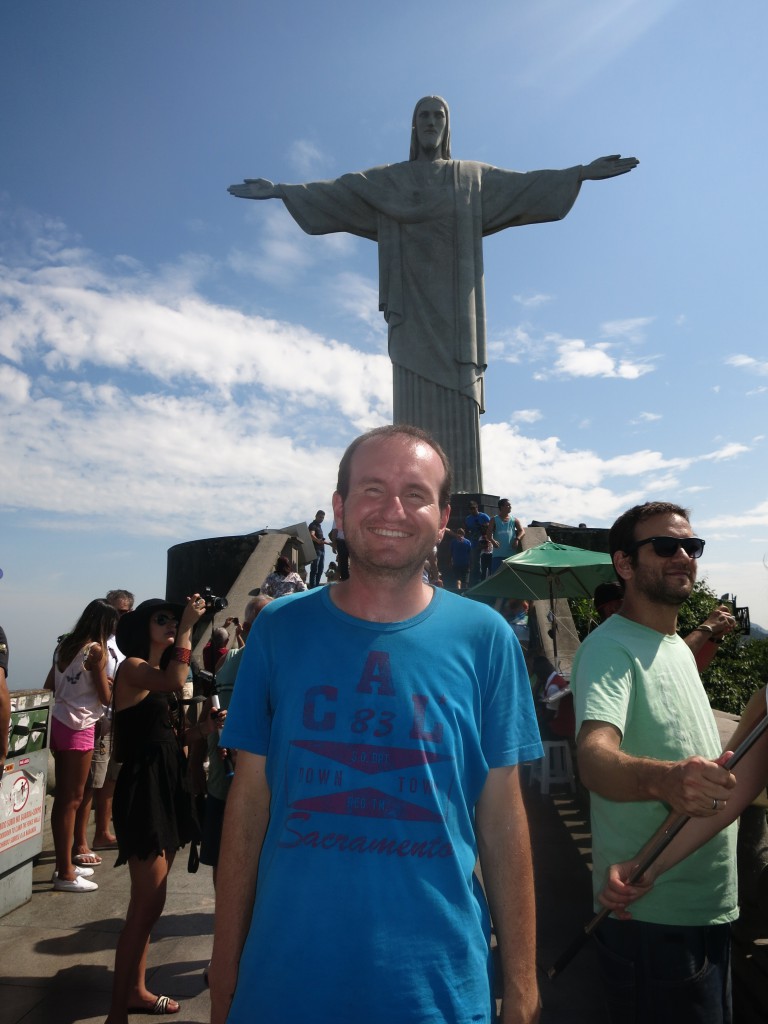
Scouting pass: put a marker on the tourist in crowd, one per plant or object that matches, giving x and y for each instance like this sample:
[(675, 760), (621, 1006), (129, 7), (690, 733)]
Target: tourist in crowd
[(153, 813), (607, 599), (283, 580), (340, 549), (216, 648), (461, 552), (100, 786), (557, 719), (319, 541), (474, 527), (373, 770), (507, 531), (81, 688), (485, 545), (648, 743)]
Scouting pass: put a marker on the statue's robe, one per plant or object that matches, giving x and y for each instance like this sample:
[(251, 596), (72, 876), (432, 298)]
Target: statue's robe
[(429, 219)]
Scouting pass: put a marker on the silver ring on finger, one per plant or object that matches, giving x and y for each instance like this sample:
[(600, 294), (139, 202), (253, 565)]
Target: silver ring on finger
[(715, 805)]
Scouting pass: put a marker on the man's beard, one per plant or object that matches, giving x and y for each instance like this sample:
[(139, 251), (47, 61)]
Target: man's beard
[(403, 572), (662, 591)]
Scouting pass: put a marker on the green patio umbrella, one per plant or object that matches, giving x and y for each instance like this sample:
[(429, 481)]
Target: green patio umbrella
[(547, 572)]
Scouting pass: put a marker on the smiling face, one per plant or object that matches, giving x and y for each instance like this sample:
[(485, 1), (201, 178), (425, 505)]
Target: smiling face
[(666, 581), (391, 515)]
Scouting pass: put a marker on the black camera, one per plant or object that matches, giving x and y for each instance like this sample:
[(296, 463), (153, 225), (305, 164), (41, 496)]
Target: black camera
[(213, 603)]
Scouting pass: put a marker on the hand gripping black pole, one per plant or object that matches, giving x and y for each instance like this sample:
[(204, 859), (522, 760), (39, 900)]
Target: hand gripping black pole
[(656, 850)]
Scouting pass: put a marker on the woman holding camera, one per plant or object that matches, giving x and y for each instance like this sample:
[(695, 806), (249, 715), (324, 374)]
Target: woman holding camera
[(152, 811), (79, 682)]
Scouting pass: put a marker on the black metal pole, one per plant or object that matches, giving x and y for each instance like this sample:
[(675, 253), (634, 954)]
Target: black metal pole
[(656, 850)]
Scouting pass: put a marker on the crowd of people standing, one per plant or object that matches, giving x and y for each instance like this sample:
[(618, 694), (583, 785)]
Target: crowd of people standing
[(388, 761)]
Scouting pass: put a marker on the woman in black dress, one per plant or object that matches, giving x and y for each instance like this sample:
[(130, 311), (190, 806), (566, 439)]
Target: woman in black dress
[(152, 809)]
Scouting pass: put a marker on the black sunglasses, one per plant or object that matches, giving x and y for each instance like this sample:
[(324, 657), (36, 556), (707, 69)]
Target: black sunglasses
[(161, 619), (666, 547)]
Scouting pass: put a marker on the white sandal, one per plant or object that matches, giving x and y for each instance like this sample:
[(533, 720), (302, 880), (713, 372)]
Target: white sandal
[(83, 872)]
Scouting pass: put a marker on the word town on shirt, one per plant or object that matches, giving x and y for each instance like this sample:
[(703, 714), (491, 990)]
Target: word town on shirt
[(382, 763)]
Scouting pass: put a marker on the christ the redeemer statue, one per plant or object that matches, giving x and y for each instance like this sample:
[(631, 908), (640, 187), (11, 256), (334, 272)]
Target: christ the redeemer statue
[(429, 215)]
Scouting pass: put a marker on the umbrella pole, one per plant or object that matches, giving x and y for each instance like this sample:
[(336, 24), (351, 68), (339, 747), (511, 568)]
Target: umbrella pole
[(553, 621), (653, 854)]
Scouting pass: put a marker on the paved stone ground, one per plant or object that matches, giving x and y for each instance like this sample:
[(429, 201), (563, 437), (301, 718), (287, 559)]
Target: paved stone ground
[(57, 950)]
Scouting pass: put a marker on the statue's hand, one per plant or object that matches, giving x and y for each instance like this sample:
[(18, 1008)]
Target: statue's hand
[(608, 167), (254, 188)]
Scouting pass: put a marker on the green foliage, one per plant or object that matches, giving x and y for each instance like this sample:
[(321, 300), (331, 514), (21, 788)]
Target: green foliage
[(739, 668), (585, 618)]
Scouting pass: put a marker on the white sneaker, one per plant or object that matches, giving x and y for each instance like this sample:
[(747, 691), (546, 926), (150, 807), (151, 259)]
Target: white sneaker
[(78, 884), (83, 872)]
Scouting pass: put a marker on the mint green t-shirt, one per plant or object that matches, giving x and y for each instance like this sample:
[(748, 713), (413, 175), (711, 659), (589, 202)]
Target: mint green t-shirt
[(646, 684)]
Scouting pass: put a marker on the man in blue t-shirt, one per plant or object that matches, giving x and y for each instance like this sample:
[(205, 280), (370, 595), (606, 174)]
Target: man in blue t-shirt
[(370, 777)]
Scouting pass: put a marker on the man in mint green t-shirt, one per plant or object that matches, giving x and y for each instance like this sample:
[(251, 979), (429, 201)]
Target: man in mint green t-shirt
[(648, 743)]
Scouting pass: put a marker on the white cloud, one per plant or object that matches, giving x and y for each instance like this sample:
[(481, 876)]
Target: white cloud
[(577, 485), (743, 362), (577, 359), (728, 451), (511, 346), (756, 516), (567, 51), (630, 328), (359, 296), (532, 301), (526, 416), (282, 253), (138, 403), (307, 158), (280, 250), (14, 386), (647, 417)]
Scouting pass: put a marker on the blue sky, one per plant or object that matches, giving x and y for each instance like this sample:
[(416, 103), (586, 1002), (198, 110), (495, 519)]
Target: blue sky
[(176, 363)]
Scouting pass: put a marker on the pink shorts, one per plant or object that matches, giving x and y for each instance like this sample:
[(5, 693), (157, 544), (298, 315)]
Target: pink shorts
[(64, 738)]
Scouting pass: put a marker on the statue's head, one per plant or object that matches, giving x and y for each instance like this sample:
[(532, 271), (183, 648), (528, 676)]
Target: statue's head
[(427, 105)]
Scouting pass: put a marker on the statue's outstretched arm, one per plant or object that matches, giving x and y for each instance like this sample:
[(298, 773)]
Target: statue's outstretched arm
[(255, 188), (607, 167)]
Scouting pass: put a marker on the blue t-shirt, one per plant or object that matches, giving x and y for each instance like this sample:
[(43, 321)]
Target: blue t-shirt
[(378, 743), (460, 552), (473, 524)]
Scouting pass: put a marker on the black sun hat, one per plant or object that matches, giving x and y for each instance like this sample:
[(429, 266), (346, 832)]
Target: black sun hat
[(132, 632)]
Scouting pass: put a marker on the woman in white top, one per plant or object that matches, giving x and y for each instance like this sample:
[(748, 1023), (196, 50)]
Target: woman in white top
[(81, 688), (283, 580)]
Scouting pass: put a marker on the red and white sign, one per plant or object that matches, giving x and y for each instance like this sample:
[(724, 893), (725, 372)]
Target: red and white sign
[(22, 799)]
